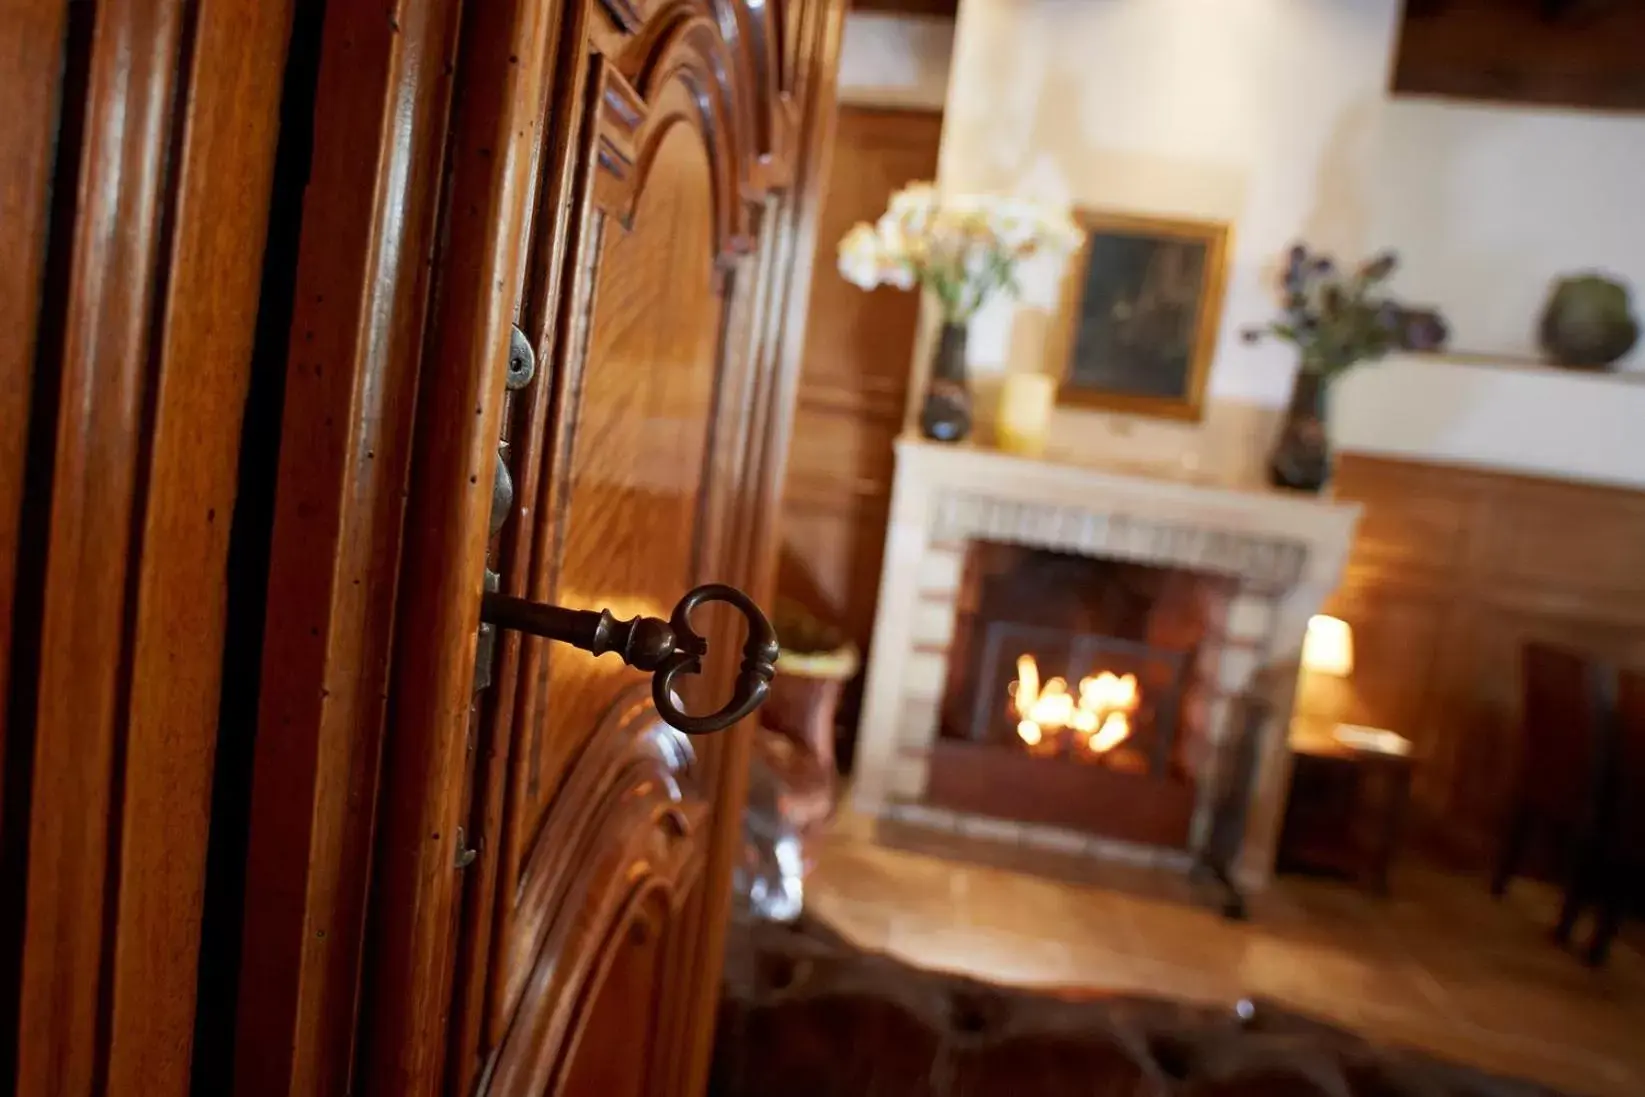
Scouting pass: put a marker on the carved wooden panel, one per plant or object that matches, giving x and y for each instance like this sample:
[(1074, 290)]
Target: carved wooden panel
[(586, 946), (1453, 570), (452, 889), (600, 905), (854, 381)]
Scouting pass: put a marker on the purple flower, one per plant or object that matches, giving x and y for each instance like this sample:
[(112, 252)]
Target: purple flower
[(1380, 267), (1423, 330)]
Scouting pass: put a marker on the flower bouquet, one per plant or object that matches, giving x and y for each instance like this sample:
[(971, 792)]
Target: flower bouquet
[(963, 250), (1336, 318)]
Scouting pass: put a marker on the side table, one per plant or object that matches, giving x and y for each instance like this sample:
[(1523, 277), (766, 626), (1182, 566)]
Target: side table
[(1350, 790)]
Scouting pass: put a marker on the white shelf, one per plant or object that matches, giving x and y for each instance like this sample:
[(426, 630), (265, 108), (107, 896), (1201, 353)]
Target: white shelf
[(1513, 415)]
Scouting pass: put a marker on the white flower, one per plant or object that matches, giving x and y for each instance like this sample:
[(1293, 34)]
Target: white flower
[(1060, 231), (860, 260), (966, 247), (896, 274), (913, 207)]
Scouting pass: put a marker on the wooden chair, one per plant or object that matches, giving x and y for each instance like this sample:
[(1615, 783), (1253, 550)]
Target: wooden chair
[(1565, 696), (1620, 863)]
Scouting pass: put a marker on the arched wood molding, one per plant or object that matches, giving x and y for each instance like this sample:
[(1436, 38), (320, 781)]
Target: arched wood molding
[(624, 824), (729, 61)]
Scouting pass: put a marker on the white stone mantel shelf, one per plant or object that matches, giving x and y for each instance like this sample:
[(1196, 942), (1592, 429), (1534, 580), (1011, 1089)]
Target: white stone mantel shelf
[(1287, 550), (1161, 493)]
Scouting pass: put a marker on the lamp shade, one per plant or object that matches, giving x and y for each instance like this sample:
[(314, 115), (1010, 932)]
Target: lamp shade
[(1328, 647)]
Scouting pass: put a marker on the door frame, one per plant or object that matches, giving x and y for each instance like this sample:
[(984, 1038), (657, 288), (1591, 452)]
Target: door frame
[(382, 103), (140, 142)]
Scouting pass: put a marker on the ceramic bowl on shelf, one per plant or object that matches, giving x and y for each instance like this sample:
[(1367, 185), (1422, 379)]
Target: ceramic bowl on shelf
[(1588, 322)]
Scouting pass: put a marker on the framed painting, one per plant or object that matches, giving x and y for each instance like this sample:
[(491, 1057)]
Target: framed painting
[(1141, 308)]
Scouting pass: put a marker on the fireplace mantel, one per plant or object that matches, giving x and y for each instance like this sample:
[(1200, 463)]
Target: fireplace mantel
[(1286, 550)]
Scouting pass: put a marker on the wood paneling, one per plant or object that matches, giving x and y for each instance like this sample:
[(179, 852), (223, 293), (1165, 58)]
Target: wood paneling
[(140, 336), (854, 381), (351, 382), (1452, 571), (527, 891), (939, 9), (31, 59), (1566, 53)]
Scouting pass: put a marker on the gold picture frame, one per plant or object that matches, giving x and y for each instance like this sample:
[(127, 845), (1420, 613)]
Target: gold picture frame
[(1114, 359)]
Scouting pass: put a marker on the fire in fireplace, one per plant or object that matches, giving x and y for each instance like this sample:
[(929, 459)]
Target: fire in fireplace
[(1086, 724), (1077, 692)]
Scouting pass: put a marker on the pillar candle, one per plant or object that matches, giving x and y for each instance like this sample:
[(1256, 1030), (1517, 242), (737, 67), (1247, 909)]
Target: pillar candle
[(1024, 418)]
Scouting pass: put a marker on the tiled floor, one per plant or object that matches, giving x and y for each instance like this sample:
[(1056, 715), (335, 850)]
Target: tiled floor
[(1438, 965)]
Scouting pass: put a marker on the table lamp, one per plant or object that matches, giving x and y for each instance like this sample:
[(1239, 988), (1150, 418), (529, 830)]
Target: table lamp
[(1328, 646)]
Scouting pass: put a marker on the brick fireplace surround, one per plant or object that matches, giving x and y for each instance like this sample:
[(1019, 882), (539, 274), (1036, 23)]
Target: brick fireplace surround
[(1285, 552)]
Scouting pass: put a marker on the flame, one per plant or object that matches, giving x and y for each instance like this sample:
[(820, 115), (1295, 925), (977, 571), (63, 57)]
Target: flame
[(1115, 730), (1100, 715)]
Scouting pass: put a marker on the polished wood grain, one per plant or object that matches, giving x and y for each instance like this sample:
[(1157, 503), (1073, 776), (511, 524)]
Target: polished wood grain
[(937, 9), (775, 295), (1563, 53), (854, 381), (222, 175), (351, 381), (165, 147), (612, 175), (631, 184), (31, 46), (628, 822), (495, 137), (1452, 572), (646, 408)]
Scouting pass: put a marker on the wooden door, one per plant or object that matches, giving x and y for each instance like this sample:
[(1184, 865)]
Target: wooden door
[(586, 924), (521, 887)]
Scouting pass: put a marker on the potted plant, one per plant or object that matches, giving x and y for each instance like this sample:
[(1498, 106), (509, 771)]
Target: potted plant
[(963, 250), (1336, 320)]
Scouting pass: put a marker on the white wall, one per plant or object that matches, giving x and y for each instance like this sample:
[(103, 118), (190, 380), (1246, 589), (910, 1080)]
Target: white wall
[(1273, 115)]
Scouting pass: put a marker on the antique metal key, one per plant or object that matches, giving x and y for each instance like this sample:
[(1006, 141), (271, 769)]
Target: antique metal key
[(665, 648)]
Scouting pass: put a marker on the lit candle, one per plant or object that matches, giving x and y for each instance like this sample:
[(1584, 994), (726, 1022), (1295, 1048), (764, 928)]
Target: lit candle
[(1024, 418)]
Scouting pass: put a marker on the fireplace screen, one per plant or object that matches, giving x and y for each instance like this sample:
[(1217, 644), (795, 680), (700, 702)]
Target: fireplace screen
[(1078, 692)]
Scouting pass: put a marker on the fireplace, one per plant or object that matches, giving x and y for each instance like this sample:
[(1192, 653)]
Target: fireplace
[(1091, 663), (1078, 692)]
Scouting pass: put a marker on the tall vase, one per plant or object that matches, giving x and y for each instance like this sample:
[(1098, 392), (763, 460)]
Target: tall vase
[(1302, 454), (946, 414)]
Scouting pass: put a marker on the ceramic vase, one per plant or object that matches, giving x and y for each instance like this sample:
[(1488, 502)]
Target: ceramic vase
[(945, 415), (1301, 459)]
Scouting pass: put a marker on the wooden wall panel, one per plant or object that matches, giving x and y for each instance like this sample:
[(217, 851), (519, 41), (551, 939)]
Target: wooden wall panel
[(854, 381), (1452, 572), (1566, 53)]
